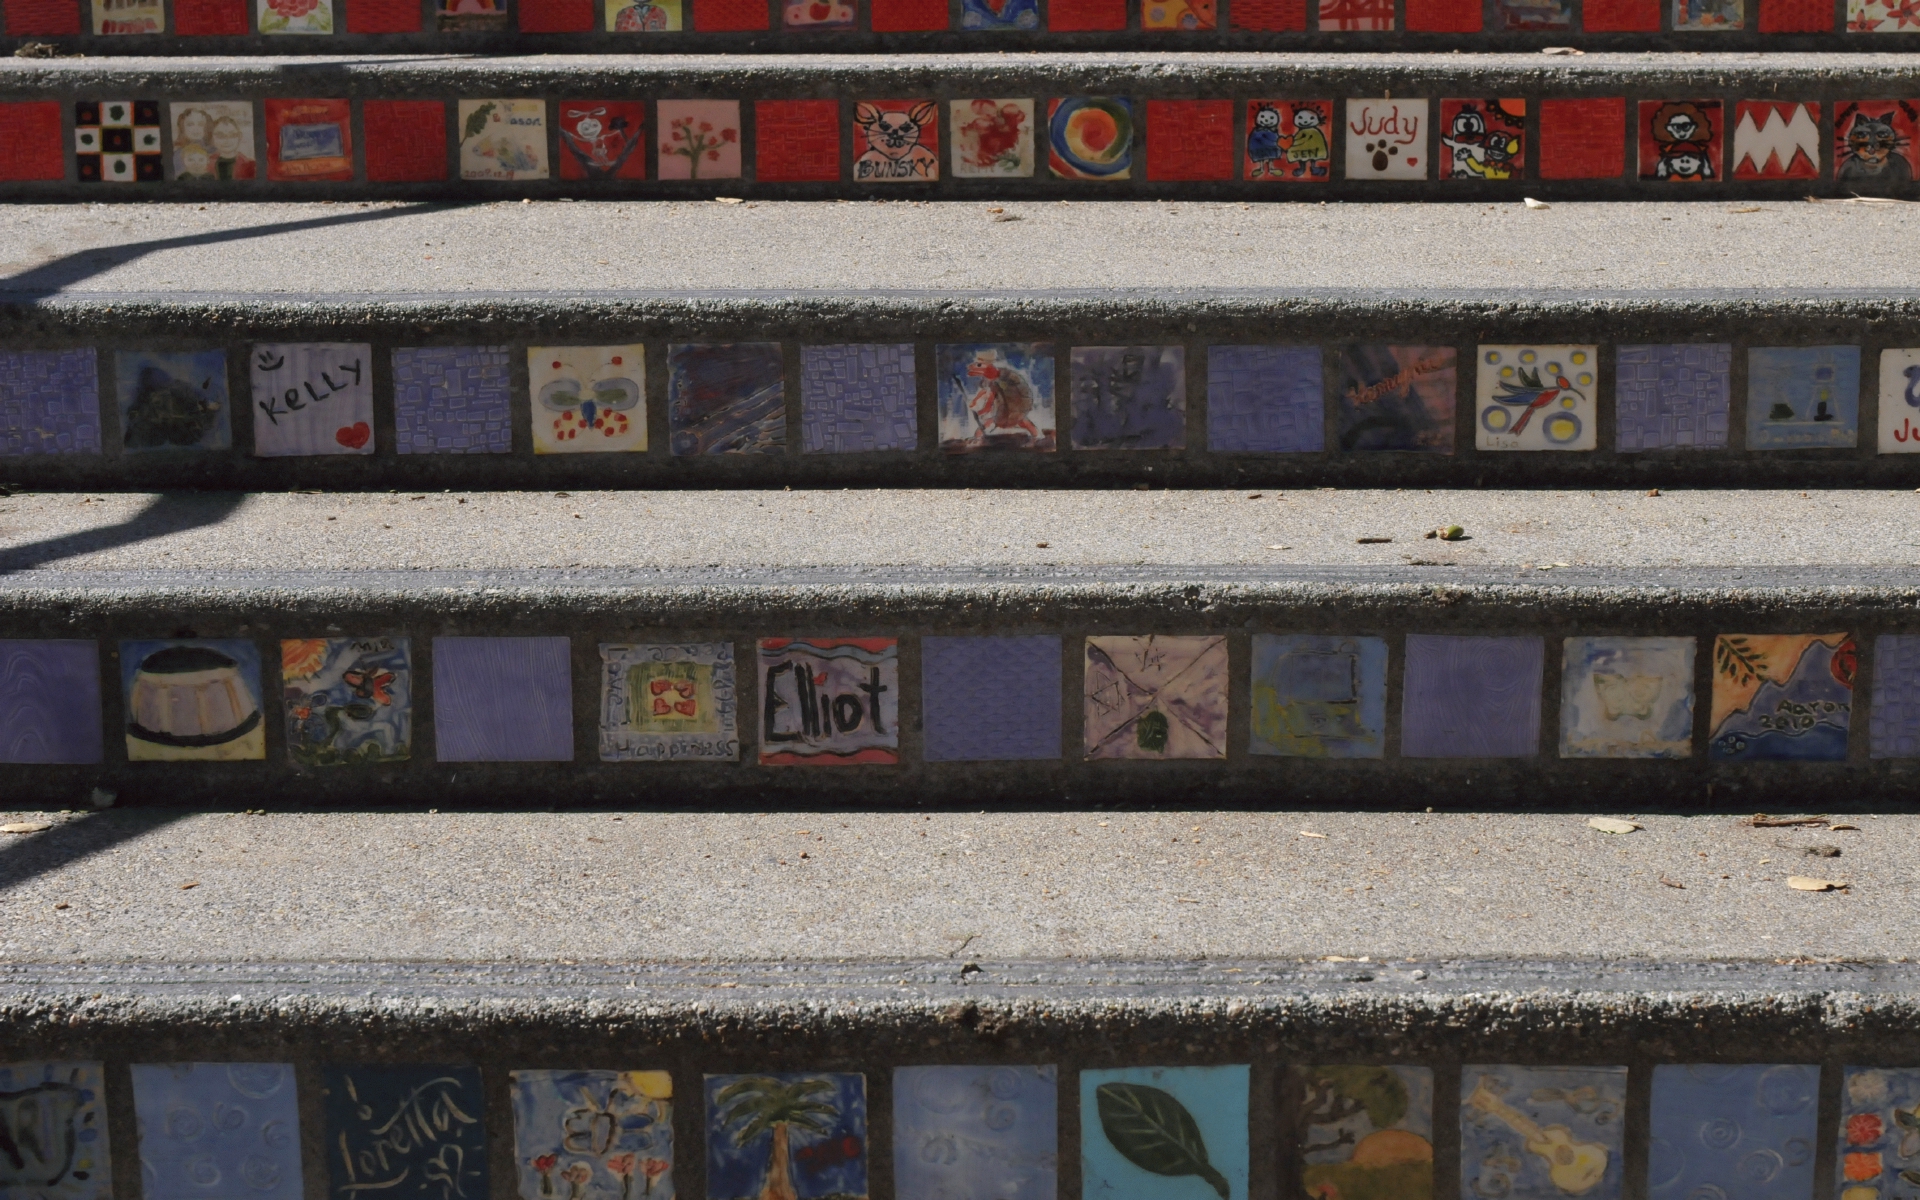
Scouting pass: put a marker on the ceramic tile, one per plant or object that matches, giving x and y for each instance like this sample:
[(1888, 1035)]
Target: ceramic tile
[(992, 139), (1288, 141), (857, 398), (1483, 139), (381, 16), (1347, 16), (817, 14), (172, 400), (1543, 1133), (604, 139), (554, 16), (1626, 697), (829, 701), (1883, 16), (1583, 139), (114, 17), (1533, 16), (49, 710), (43, 18), (1873, 144), (1471, 697), (1090, 137), (1122, 1156), (1396, 398), (976, 1133), (215, 1130), (1732, 1130), (1879, 1134), (451, 400), (1671, 397), (348, 701), (1265, 399), (668, 702), (1536, 398), (309, 139), (996, 397), (1363, 1130), (1772, 140), (1796, 16), (213, 139), (796, 141), (1802, 396), (645, 16), (1129, 397), (35, 144), (192, 699), (1782, 697), (294, 17), (503, 699), (1709, 15), (600, 1135), (55, 1118), (823, 1157), (699, 139), (470, 16), (991, 15), (117, 141), (907, 16), (312, 398), (406, 140), (1896, 697), (1156, 697), (588, 399), (49, 402), (1681, 140), (1899, 401), (503, 139), (1192, 140), (1179, 15), (896, 141), (727, 399), (1316, 696), (990, 698), (1268, 16), (410, 1132), (730, 16), (1447, 16), (1387, 139)]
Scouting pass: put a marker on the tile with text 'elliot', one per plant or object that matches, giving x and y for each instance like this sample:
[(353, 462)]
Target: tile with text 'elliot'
[(829, 701)]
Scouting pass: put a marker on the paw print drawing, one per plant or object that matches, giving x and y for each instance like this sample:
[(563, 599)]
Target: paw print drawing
[(1386, 139)]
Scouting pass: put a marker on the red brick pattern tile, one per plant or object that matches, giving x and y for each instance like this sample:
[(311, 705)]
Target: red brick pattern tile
[(1086, 16), (908, 16), (555, 16), (31, 146), (1189, 139), (1796, 16), (1349, 15), (1621, 16), (1583, 139), (210, 18), (1444, 16), (406, 140), (383, 16), (797, 141), (729, 16), (42, 18), (1268, 16)]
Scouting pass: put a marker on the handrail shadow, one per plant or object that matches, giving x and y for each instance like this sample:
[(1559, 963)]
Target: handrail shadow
[(28, 856), (172, 512)]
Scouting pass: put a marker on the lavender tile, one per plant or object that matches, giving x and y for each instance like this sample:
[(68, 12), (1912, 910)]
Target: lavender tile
[(1671, 397), (451, 400), (50, 701), (726, 399), (1265, 399), (857, 398), (49, 402), (1896, 696), (1471, 697), (990, 698), (503, 699), (1129, 397), (1719, 1129), (963, 1132), (212, 1131)]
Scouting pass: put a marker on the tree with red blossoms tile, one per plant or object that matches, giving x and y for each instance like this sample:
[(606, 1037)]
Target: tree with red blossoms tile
[(697, 141)]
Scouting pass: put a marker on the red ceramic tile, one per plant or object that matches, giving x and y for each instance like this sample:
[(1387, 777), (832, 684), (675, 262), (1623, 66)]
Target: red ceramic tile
[(797, 141), (1349, 15), (406, 140), (309, 139), (210, 18), (896, 141), (1681, 140), (1621, 16), (1483, 139), (383, 16), (1583, 139), (31, 146), (1796, 16), (908, 16), (1775, 139), (603, 139), (1268, 16), (1873, 143), (555, 16), (1189, 139), (42, 18), (729, 16), (1086, 16), (1444, 16)]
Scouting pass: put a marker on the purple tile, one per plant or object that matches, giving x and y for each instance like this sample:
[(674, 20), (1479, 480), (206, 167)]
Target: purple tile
[(1129, 397), (1671, 397), (507, 699), (451, 400), (49, 402), (50, 701), (1471, 697), (1265, 399), (990, 698), (726, 399), (855, 398), (1896, 696)]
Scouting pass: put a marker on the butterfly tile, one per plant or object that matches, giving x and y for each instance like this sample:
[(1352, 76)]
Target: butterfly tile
[(1387, 139), (856, 398), (1782, 696), (49, 402), (1471, 697), (1319, 697), (829, 701), (172, 400), (1090, 137), (312, 398), (1396, 398), (1882, 16), (1484, 139), (1879, 1134), (1671, 397), (996, 397), (213, 140), (827, 1160), (990, 698), (1289, 141), (56, 1123), (1129, 397), (117, 141), (896, 141), (668, 702), (1626, 697), (976, 1131), (348, 701), (49, 703), (214, 1130), (1801, 397), (503, 699), (1124, 1155), (443, 1153), (1536, 398), (1543, 1133), (192, 700), (503, 139), (451, 400), (1734, 1130), (599, 1135), (1362, 1130), (727, 398), (1896, 696), (1265, 399), (1155, 697), (604, 139), (992, 139), (645, 16), (588, 399), (1776, 140), (1873, 144), (699, 139), (1681, 140)]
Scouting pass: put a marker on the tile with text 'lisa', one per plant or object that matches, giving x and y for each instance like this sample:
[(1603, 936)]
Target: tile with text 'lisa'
[(1536, 398)]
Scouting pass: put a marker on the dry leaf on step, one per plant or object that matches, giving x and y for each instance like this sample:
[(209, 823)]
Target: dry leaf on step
[(1612, 825), (26, 826), (1807, 883)]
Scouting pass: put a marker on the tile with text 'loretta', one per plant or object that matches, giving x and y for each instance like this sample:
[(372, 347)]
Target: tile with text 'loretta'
[(412, 1132), (1396, 398)]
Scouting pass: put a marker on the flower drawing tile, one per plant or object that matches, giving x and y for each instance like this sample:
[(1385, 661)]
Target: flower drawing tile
[(503, 699), (213, 140), (49, 704), (1802, 397), (49, 402), (503, 139), (1129, 397), (727, 398), (896, 141), (63, 1105), (1362, 1130), (451, 400), (1896, 696), (1782, 697), (1543, 1133), (599, 1135), (1316, 696), (996, 397), (1387, 139), (443, 1156), (829, 701), (193, 699), (588, 399), (1152, 696), (990, 698), (1119, 1109), (211, 1130), (976, 1131), (1396, 398), (749, 1157), (293, 16), (1471, 697), (992, 139), (1090, 137), (699, 139), (1735, 1129), (1672, 397), (668, 702), (857, 398), (1536, 398), (312, 398), (172, 400), (348, 701), (1288, 141), (1626, 697), (1879, 1134), (118, 141), (1265, 399)]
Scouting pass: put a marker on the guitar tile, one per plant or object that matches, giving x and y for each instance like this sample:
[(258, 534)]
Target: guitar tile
[(1360, 1130), (1119, 1159), (1542, 1133), (1720, 1129)]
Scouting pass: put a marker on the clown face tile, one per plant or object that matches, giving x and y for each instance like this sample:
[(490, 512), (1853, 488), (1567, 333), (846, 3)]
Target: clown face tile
[(49, 402), (1265, 399), (1899, 401), (503, 139), (990, 698), (1782, 696), (1396, 398), (1156, 697), (1090, 137), (209, 1130), (213, 139), (828, 1159), (699, 139), (645, 16), (172, 400), (588, 399), (451, 400), (1536, 398), (996, 397), (1542, 1133), (1362, 1130), (1387, 139), (1734, 1130), (1879, 1133), (1483, 139), (312, 398), (1896, 696), (1874, 144), (605, 1135), (829, 701), (1471, 697), (896, 141), (56, 1124), (857, 398), (443, 1154), (195, 699), (348, 701), (992, 139), (1120, 1112), (668, 703), (1319, 697), (1671, 397), (1801, 397), (603, 139), (1001, 1120), (1626, 697), (728, 398), (1129, 397), (1681, 140), (49, 705), (117, 141), (1288, 141), (1772, 140)]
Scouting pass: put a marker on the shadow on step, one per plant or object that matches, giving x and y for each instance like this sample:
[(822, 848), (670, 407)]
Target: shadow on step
[(168, 514)]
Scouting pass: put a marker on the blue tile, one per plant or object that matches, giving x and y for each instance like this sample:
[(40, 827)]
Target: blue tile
[(990, 698), (1732, 1131), (1671, 397), (1802, 396), (857, 398), (976, 1131), (503, 699), (50, 701), (214, 1131), (1129, 397), (452, 400), (1319, 697), (1265, 399), (1471, 697), (49, 402), (1896, 696)]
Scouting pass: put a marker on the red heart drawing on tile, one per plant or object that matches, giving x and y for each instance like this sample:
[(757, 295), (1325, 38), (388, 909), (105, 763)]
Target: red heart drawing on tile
[(353, 436), (1413, 162)]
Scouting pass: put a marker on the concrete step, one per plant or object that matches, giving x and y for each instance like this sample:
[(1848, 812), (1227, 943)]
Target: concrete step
[(480, 648), (783, 344), (1055, 125)]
